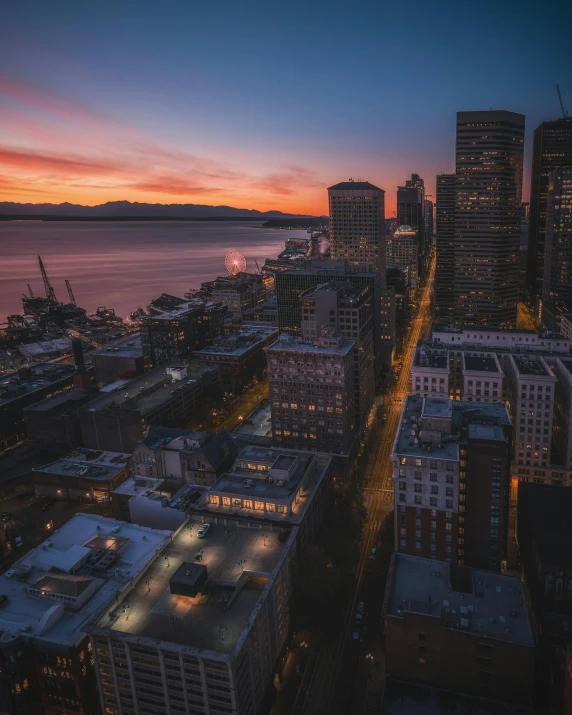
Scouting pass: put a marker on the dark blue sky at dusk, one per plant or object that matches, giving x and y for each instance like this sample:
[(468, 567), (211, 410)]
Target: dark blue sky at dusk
[(260, 105)]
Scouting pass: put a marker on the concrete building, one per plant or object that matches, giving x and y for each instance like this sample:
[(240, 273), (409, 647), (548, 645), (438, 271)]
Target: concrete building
[(265, 312), (172, 332), (82, 475), (411, 211), (116, 420), (312, 394), (239, 356), (451, 472), (453, 627), (292, 283), (118, 360), (566, 325), (563, 412), (430, 372), (50, 595), (196, 458), (347, 310), (445, 244), (357, 223), (240, 293), (402, 251), (55, 420), (532, 385), (201, 628), (275, 486), (487, 217), (552, 149), (482, 377), (504, 340), (24, 388)]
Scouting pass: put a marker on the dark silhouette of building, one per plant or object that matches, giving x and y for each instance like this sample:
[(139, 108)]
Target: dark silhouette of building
[(445, 244), (552, 149), (411, 212), (489, 155), (557, 279)]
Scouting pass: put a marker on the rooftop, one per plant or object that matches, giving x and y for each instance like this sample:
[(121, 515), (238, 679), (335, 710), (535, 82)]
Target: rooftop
[(148, 391), (239, 343), (532, 365), (292, 344), (240, 564), (424, 358), (354, 186), (129, 346), (87, 464), (171, 311), (31, 379), (483, 603), (55, 590), (481, 364)]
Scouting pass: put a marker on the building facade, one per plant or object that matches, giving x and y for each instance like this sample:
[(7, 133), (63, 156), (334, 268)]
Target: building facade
[(489, 156), (403, 252), (557, 272), (445, 244), (411, 212), (552, 149), (357, 224)]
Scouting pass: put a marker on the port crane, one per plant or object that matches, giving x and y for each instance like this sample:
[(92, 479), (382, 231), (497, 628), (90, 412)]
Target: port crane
[(70, 292), (30, 291), (50, 292), (562, 107)]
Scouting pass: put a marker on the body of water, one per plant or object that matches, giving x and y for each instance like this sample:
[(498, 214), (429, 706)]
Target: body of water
[(123, 265)]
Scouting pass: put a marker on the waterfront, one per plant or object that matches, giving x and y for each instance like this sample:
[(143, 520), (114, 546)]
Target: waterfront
[(122, 265)]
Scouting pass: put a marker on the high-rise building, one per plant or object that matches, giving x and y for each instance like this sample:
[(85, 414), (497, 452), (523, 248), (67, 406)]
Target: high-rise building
[(557, 280), (445, 242), (429, 224), (402, 253), (489, 155), (451, 470), (552, 149), (314, 408), (357, 224), (411, 212), (348, 310), (291, 284)]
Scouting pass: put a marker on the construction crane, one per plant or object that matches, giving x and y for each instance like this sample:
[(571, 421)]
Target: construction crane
[(70, 293), (50, 292), (30, 291), (562, 107)]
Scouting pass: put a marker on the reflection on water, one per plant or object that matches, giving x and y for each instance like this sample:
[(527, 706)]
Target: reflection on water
[(123, 265)]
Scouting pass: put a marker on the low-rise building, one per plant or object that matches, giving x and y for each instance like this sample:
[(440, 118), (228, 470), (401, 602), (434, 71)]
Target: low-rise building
[(275, 486), (240, 292), (312, 394), (265, 312), (202, 626), (24, 388), (50, 595), (482, 377), (82, 475), (197, 458), (453, 627), (566, 326), (116, 420), (511, 340), (120, 359), (239, 356)]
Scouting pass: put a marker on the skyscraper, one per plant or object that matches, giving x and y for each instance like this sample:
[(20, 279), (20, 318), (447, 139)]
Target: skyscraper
[(489, 155), (557, 280), (402, 253), (552, 149), (411, 211), (357, 224), (445, 268)]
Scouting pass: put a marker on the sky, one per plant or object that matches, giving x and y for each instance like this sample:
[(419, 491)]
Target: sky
[(260, 104)]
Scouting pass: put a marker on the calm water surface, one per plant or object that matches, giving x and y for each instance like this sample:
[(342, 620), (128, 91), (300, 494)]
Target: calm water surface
[(124, 265)]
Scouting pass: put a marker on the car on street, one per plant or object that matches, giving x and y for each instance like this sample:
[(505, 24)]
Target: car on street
[(203, 531), (372, 553)]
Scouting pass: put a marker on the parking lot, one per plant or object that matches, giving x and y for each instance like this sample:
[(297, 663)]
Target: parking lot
[(33, 524)]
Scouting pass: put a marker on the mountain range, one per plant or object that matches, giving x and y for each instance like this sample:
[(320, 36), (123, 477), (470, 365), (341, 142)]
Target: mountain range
[(114, 210)]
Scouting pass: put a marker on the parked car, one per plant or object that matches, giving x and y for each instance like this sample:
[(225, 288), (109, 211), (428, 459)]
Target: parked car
[(203, 531)]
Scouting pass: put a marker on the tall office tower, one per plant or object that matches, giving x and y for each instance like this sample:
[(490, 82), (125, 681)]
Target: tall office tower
[(429, 224), (451, 470), (552, 149), (313, 408), (402, 253), (347, 310), (487, 216), (411, 212), (357, 224), (291, 284), (557, 280), (445, 242)]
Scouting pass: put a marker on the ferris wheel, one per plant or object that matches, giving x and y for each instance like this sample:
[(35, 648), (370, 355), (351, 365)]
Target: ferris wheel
[(235, 262)]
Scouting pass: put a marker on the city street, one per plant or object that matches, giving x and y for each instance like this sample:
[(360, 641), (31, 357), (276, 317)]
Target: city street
[(348, 676), (241, 409)]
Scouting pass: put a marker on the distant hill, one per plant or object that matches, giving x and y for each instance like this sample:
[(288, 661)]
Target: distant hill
[(124, 210)]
